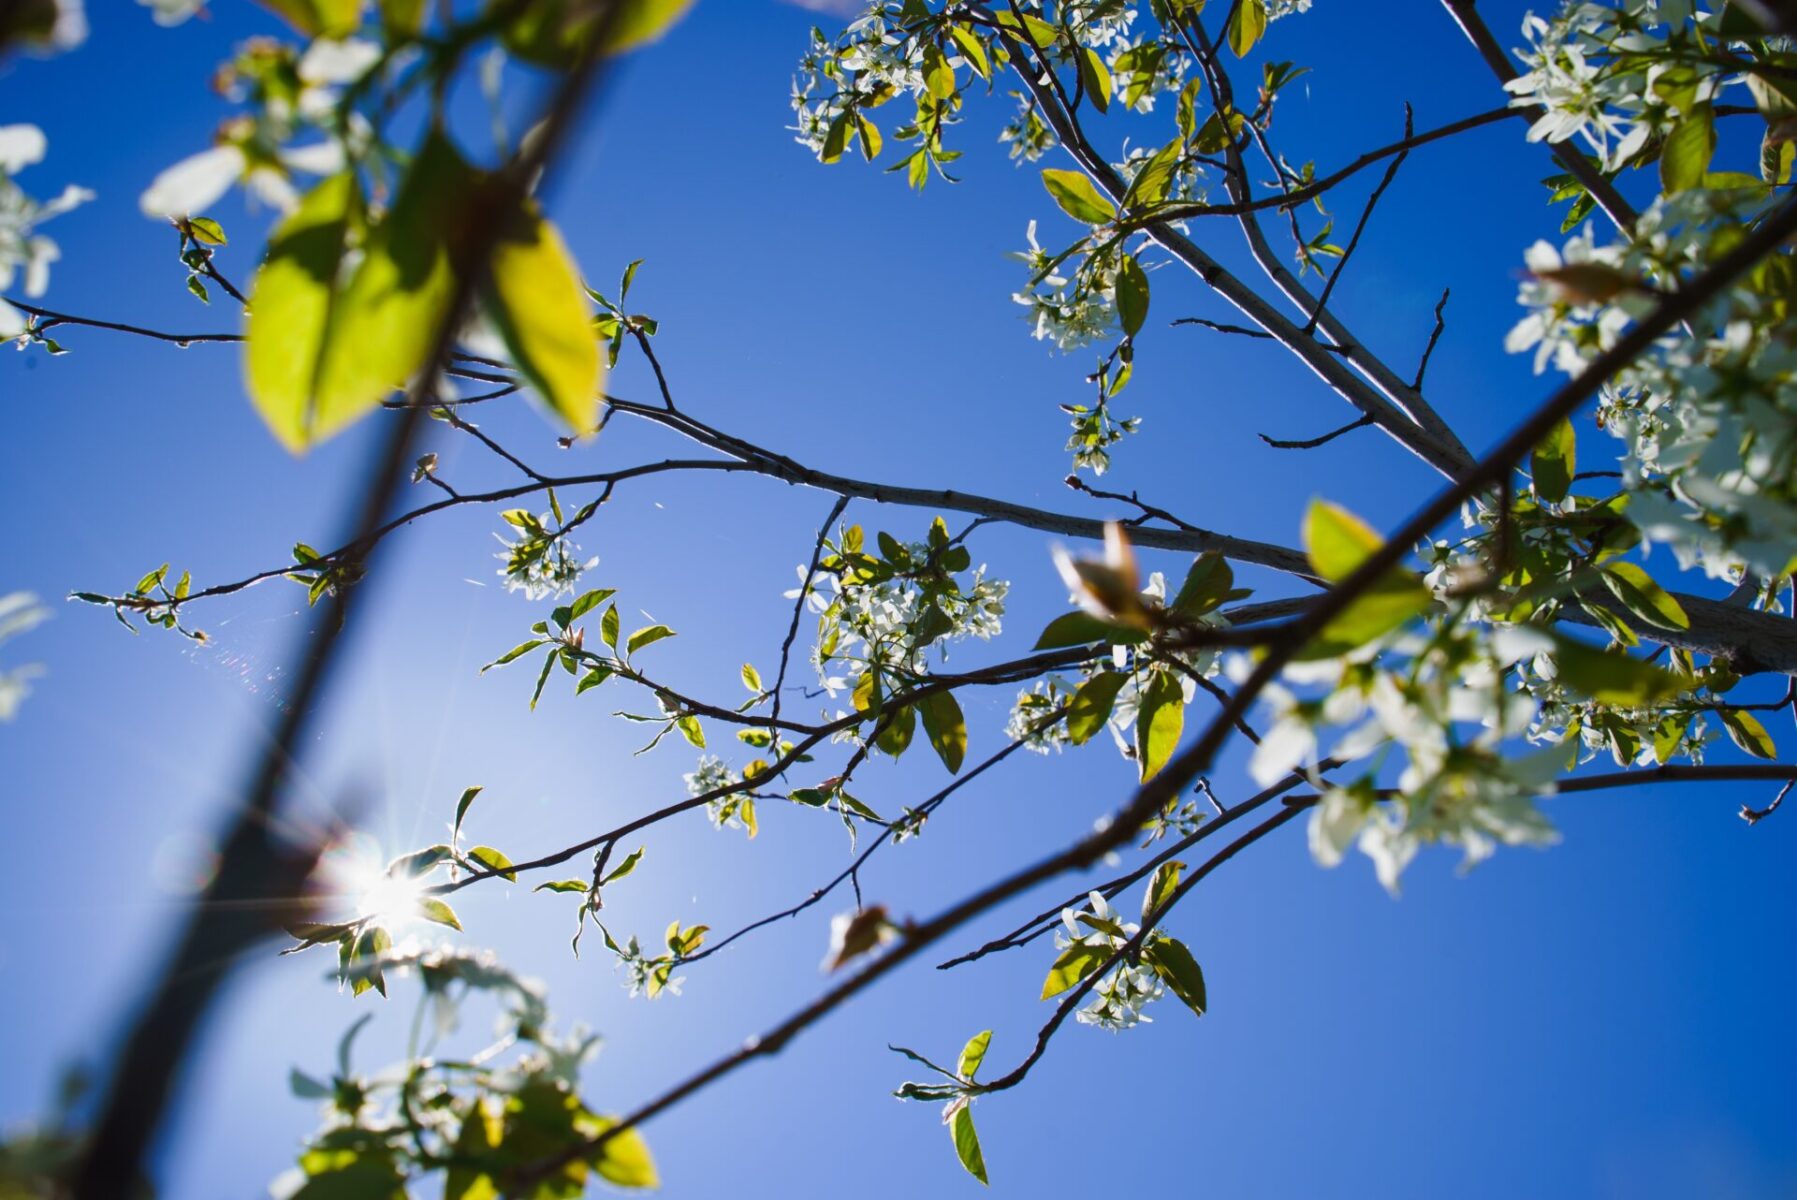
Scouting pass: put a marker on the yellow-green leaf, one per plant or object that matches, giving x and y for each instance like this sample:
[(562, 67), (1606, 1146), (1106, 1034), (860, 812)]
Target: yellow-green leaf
[(533, 297), (1179, 970), (1077, 196), (320, 18), (624, 1160), (1132, 295), (1096, 77), (1745, 731), (493, 860), (1091, 705), (971, 50), (1553, 462), (1612, 678), (1337, 542), (946, 728), (433, 909), (291, 301), (967, 1143), (1161, 887), (1644, 597), (973, 1054), (1074, 964), (1159, 722), (1246, 25), (1686, 154), (390, 314), (559, 33)]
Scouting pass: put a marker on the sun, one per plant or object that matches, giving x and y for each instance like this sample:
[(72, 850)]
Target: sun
[(354, 872)]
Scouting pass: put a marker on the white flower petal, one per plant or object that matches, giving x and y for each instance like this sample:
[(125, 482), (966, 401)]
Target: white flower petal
[(20, 146), (193, 184)]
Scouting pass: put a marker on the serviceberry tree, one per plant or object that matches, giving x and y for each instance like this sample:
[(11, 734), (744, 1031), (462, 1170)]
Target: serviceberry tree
[(1532, 623)]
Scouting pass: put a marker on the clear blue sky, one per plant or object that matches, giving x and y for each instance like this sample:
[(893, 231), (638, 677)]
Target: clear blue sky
[(1602, 1019)]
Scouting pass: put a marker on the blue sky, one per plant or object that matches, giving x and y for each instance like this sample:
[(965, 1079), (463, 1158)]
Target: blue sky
[(1600, 1019)]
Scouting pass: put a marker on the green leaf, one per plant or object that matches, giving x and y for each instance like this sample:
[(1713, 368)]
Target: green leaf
[(967, 1142), (548, 665), (752, 679), (1337, 542), (205, 229), (1161, 886), (562, 885), (691, 730), (1207, 586), (1096, 77), (1744, 730), (836, 138), (1091, 705), (402, 18), (493, 860), (370, 945), (1179, 970), (608, 627), (433, 909), (1074, 964), (292, 298), (1553, 463), (1132, 295), (946, 728), (515, 653), (559, 33), (1612, 678), (532, 295), (1037, 32), (482, 1133), (938, 76), (586, 602), (391, 313), (626, 867), (969, 44), (1159, 722), (647, 636), (1246, 25), (895, 739), (370, 1177), (1666, 737), (1078, 197), (461, 808), (1081, 628), (320, 18), (1643, 596), (1689, 147), (623, 1161), (973, 1054)]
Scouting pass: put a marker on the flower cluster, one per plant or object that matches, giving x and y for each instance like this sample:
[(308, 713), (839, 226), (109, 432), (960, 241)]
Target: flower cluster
[(1070, 311), (1032, 719), (1442, 698), (543, 560), (1615, 77), (734, 811), (882, 611), (870, 63), (290, 93), (1709, 415), (22, 247), (1118, 1000)]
